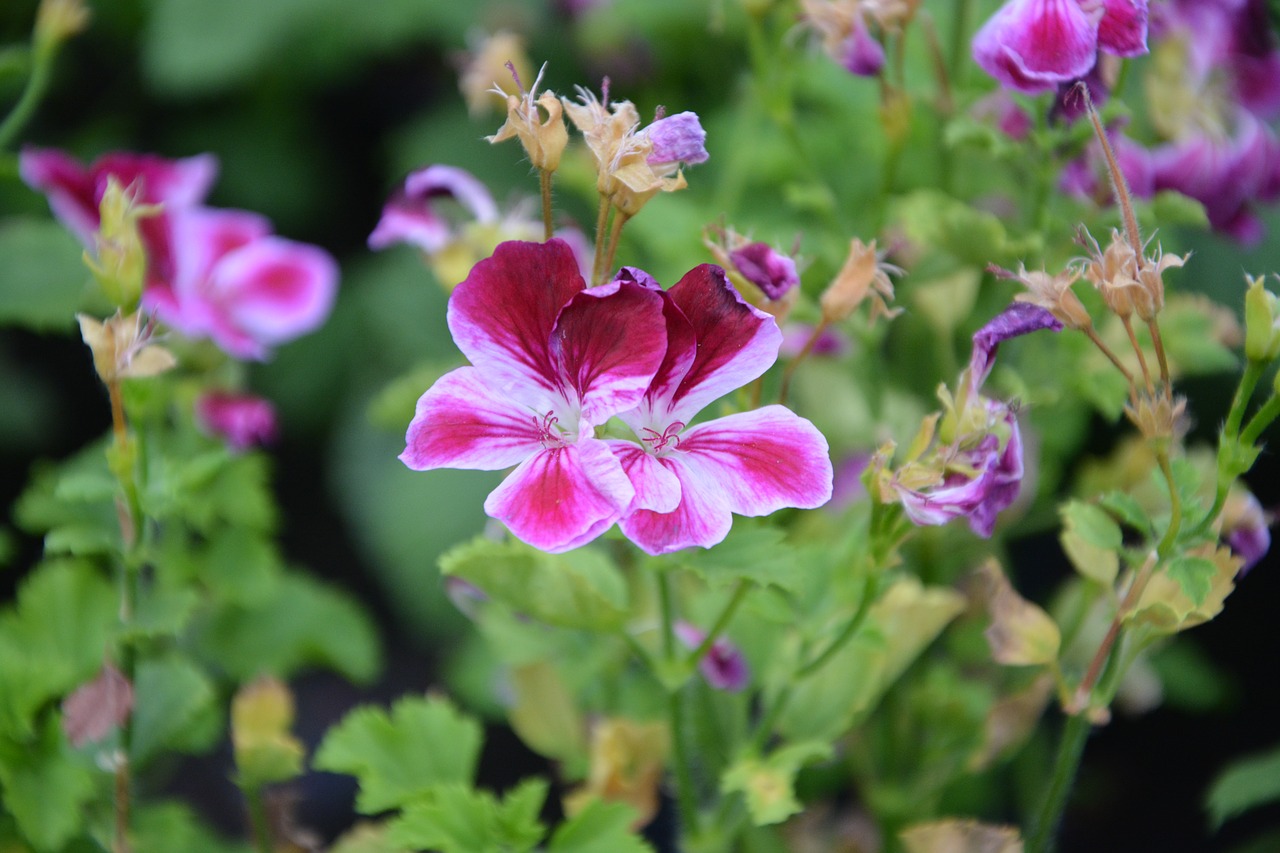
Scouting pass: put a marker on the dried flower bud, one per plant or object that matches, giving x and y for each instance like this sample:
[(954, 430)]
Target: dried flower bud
[(543, 141), (122, 347), (1051, 292), (1158, 418), (626, 766), (863, 275)]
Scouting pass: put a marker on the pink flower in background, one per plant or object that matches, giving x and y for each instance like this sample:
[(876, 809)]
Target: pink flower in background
[(1031, 46), (238, 284), (765, 267), (413, 215), (690, 479), (75, 192), (676, 139), (241, 420), (723, 666), (550, 360)]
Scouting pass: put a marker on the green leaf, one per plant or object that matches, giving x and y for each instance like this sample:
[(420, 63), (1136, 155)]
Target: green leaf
[(303, 624), (1127, 508), (1173, 208), (1246, 784), (167, 827), (578, 589), (44, 281), (162, 613), (175, 709), (769, 783), (46, 786), (458, 819), (1194, 575), (1188, 326), (753, 551), (1091, 539), (402, 756), (601, 827)]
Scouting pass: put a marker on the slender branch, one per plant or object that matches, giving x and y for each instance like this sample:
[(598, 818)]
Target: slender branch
[(722, 622), (602, 223), (1253, 371), (619, 220), (1111, 356), (544, 181), (851, 627), (1080, 702), (1175, 507), (1142, 359), (1044, 824), (1158, 342)]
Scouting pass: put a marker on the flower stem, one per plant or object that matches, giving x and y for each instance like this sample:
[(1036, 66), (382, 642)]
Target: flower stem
[(602, 223), (257, 804), (32, 94), (851, 627), (722, 622), (1142, 360), (615, 232), (1158, 342), (544, 182), (1260, 421), (685, 799), (1111, 356), (1044, 823)]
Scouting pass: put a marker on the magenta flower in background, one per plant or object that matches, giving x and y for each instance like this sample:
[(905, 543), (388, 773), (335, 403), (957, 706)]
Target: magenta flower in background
[(238, 284), (412, 216), (765, 267), (723, 666), (550, 360), (1031, 46), (676, 139), (862, 54), (689, 480), (75, 192), (1246, 529), (241, 420)]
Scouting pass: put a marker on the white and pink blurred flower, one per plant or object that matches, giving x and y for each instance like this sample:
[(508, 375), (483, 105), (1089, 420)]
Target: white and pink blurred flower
[(1032, 46), (241, 420)]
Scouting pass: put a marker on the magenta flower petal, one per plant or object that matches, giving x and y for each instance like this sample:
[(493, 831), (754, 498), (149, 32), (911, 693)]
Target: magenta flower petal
[(502, 316), (723, 666), (863, 55), (609, 341), (1033, 45), (735, 342), (276, 289), (1017, 319), (241, 420), (408, 216), (771, 271), (562, 497), (461, 423), (702, 519), (657, 488), (1123, 28)]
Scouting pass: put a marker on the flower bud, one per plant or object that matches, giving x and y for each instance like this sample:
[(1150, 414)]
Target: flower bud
[(59, 20), (120, 264), (543, 141), (863, 275), (122, 347), (1261, 326)]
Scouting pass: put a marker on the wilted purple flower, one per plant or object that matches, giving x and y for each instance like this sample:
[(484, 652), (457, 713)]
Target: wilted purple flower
[(723, 666), (241, 420), (768, 269), (676, 139), (1245, 529), (1031, 46), (863, 55)]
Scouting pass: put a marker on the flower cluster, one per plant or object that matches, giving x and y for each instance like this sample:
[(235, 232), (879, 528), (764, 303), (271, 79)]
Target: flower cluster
[(210, 273), (552, 361)]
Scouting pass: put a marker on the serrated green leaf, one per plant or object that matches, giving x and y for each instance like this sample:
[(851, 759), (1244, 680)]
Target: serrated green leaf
[(460, 820), (304, 623), (1093, 524), (1091, 540), (601, 827), (171, 697), (83, 539), (1246, 784), (1127, 508), (46, 786), (163, 613), (402, 756), (1194, 575), (769, 783), (753, 551), (579, 589), (44, 281), (366, 837)]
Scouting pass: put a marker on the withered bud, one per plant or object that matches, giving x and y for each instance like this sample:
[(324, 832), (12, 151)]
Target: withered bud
[(864, 275), (122, 347), (543, 141), (1129, 283), (1159, 418), (1051, 292)]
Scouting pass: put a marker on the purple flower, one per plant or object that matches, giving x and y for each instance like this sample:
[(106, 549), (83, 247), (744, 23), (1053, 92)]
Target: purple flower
[(689, 480), (771, 271), (676, 139), (1246, 529), (241, 420), (235, 282), (1018, 319), (411, 214), (550, 360), (1031, 46), (723, 666), (75, 192), (863, 55)]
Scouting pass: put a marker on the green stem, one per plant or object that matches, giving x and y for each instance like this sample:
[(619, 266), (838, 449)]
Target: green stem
[(1260, 421), (685, 799), (851, 627), (544, 182), (959, 40), (1253, 371), (602, 239), (1175, 507), (258, 818), (1231, 436), (1044, 824), (739, 594), (32, 94)]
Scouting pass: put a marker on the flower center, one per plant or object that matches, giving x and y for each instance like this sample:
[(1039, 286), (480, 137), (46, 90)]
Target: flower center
[(550, 433), (669, 438)]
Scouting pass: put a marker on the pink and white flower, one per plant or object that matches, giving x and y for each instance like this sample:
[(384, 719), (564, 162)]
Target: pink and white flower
[(412, 214), (550, 361), (241, 420), (75, 192), (1031, 46), (235, 282), (690, 479)]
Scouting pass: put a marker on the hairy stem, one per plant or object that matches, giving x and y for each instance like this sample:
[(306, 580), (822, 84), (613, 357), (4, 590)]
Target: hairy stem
[(1111, 356), (1044, 823), (722, 622), (602, 223)]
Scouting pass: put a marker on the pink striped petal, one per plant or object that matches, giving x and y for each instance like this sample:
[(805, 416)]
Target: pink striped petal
[(275, 289), (735, 342), (503, 314), (461, 423), (562, 497), (1123, 28), (752, 463), (609, 341), (1033, 45), (657, 488)]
